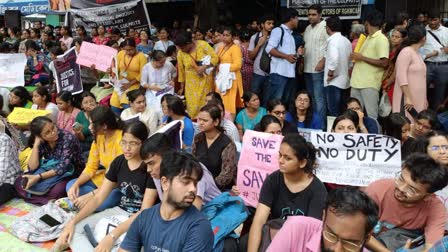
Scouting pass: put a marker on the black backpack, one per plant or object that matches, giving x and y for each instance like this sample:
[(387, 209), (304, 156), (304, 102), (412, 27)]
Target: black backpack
[(265, 60)]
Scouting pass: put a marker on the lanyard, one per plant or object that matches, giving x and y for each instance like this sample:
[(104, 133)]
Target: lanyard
[(222, 52), (127, 66)]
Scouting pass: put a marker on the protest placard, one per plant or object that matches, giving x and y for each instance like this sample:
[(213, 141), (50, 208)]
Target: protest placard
[(24, 116), (99, 55), (306, 133), (345, 9), (123, 15), (258, 159), (356, 159), (173, 131), (12, 69), (443, 196), (67, 73)]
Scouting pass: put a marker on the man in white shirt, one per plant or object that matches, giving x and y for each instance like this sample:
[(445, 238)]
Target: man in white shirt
[(260, 79), (282, 47), (337, 60), (436, 49), (315, 37)]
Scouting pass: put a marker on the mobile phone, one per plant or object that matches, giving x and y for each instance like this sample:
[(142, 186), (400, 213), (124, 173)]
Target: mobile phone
[(90, 236), (76, 125), (24, 182), (417, 242), (50, 221), (413, 112)]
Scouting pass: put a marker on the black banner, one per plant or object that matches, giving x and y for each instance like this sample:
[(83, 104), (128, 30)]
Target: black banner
[(67, 73), (84, 4), (130, 14), (345, 9)]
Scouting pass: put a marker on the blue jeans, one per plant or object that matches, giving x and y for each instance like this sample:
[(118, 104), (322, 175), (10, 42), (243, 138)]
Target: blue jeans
[(112, 200), (260, 86), (334, 97), (315, 86), (278, 86), (437, 74)]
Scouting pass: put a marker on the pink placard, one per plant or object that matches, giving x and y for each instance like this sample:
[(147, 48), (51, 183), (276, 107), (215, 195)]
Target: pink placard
[(258, 159), (99, 55)]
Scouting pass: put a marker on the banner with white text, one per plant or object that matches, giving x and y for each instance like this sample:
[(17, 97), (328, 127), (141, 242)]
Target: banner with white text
[(130, 14), (67, 73), (345, 9)]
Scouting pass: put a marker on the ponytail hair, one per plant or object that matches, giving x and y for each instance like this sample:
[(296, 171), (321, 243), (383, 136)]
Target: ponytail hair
[(303, 150), (66, 97)]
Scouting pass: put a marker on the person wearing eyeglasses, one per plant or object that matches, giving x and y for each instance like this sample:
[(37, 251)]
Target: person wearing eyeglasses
[(276, 108), (408, 206), (55, 158), (438, 147), (107, 134), (348, 221), (302, 112), (425, 122), (137, 191)]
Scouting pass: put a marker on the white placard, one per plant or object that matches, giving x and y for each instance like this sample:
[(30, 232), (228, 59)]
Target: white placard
[(356, 159), (12, 69)]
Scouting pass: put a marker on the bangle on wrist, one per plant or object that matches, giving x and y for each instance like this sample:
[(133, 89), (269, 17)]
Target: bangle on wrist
[(40, 177)]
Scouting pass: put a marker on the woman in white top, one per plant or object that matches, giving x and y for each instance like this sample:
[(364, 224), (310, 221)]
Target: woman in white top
[(41, 101), (158, 79), (138, 109), (163, 42)]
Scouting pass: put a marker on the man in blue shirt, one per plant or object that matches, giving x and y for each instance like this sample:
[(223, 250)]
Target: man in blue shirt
[(281, 46), (174, 224)]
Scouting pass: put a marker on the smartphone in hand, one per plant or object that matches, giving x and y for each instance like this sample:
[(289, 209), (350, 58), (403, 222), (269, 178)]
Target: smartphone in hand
[(413, 113)]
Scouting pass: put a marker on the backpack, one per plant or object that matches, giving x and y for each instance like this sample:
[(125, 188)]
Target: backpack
[(265, 60)]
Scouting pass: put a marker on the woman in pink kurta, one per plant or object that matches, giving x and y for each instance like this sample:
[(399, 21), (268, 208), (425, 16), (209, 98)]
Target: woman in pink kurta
[(410, 82)]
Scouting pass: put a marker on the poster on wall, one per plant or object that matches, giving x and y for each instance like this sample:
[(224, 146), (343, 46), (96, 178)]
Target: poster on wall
[(345, 9)]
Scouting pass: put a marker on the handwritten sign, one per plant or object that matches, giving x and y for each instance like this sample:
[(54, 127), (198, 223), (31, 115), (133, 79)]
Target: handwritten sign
[(12, 69), (258, 159), (67, 73), (24, 116), (99, 55), (356, 159)]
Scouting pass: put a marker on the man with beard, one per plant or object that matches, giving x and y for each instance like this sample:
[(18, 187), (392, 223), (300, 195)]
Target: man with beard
[(260, 79), (174, 224), (348, 220), (152, 152), (408, 206)]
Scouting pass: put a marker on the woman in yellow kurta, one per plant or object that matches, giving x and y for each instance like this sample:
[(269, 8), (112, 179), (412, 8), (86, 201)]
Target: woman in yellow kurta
[(195, 78), (130, 64), (104, 150), (231, 54)]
